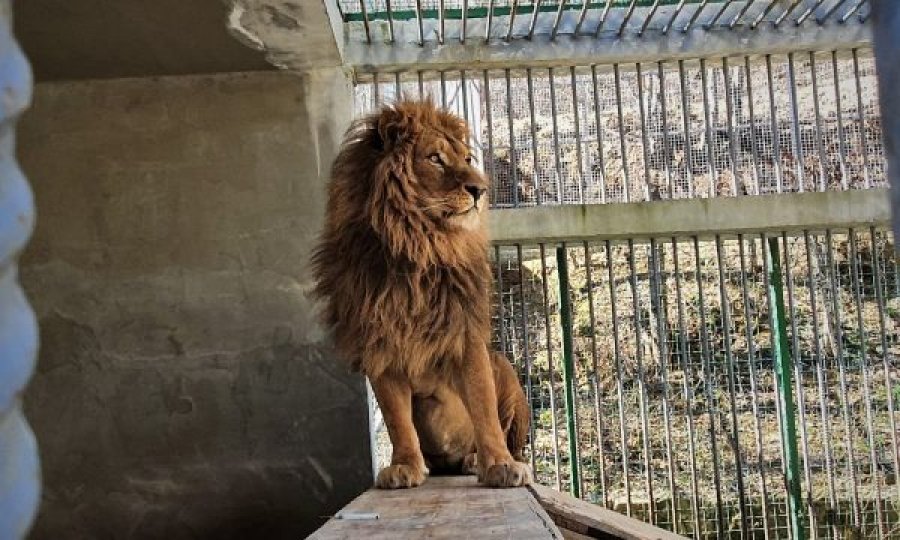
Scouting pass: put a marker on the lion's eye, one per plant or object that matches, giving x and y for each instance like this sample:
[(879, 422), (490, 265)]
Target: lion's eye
[(436, 159), (469, 160)]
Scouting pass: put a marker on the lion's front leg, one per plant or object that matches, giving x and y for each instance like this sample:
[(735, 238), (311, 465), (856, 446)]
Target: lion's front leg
[(495, 465), (407, 468)]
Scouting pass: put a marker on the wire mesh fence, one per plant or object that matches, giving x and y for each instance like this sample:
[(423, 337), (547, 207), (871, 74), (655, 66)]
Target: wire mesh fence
[(422, 21), (674, 411), (663, 130)]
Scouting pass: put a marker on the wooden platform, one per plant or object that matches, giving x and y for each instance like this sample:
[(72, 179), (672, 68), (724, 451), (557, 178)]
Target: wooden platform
[(457, 507), (444, 507)]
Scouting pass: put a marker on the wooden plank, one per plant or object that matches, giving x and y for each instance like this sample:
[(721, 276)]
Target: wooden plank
[(444, 507), (595, 521)]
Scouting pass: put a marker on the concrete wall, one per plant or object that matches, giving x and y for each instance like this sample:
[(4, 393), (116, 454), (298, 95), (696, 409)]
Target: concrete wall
[(184, 389)]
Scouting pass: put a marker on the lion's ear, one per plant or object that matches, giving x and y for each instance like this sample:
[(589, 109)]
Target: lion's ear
[(394, 127)]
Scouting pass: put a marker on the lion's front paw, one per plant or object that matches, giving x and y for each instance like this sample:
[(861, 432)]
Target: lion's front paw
[(506, 474), (470, 464), (400, 476)]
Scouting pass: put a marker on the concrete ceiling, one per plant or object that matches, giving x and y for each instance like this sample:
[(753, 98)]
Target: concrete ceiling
[(89, 39)]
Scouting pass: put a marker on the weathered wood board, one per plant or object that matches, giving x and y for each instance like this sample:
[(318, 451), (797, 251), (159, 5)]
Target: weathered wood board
[(444, 507), (592, 521)]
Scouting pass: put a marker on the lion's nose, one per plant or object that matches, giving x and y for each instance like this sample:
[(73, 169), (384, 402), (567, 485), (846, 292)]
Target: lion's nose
[(475, 191)]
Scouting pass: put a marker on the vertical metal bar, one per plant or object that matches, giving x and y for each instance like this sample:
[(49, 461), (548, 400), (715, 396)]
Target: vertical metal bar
[(821, 380), (626, 18), (559, 14), (20, 483), (820, 134), (464, 94), (729, 362), (585, 4), (441, 28), (465, 21), (708, 383), (577, 125), (620, 378), (754, 150), (618, 83), (645, 144), (398, 87), (762, 15), (783, 370), (534, 17), (830, 11), (598, 416), (864, 377), (809, 11), (885, 358), (603, 15), (421, 80), (490, 21), (376, 90), (678, 8), (512, 141), (737, 18), (549, 345), (786, 14), (365, 14), (489, 159), (538, 187), (420, 22), (798, 380), (842, 376), (754, 378), (729, 111), (501, 312), (523, 315), (842, 156), (556, 155), (849, 13), (443, 79), (861, 111), (795, 125), (565, 316), (776, 134), (664, 114), (687, 382), (696, 14), (641, 379), (710, 141), (390, 16), (662, 332), (512, 19), (647, 19), (712, 22), (686, 121), (599, 126)]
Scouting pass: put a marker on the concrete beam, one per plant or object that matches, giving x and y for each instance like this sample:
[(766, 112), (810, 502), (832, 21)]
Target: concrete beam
[(540, 51), (294, 35), (692, 217)]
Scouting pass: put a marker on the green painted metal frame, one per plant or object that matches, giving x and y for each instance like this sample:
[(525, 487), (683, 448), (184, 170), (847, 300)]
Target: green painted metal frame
[(499, 11), (783, 370), (565, 316)]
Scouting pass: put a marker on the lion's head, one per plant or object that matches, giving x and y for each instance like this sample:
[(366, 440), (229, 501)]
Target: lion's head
[(408, 173)]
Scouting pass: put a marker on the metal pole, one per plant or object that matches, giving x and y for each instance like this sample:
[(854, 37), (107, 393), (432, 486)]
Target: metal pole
[(783, 369), (565, 317)]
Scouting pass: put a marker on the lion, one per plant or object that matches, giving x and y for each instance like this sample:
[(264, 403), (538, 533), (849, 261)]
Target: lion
[(403, 269)]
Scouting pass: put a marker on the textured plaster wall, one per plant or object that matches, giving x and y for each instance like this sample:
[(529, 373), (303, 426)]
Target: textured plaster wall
[(184, 389)]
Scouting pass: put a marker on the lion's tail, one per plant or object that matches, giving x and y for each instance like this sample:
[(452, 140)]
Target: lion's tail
[(515, 415)]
